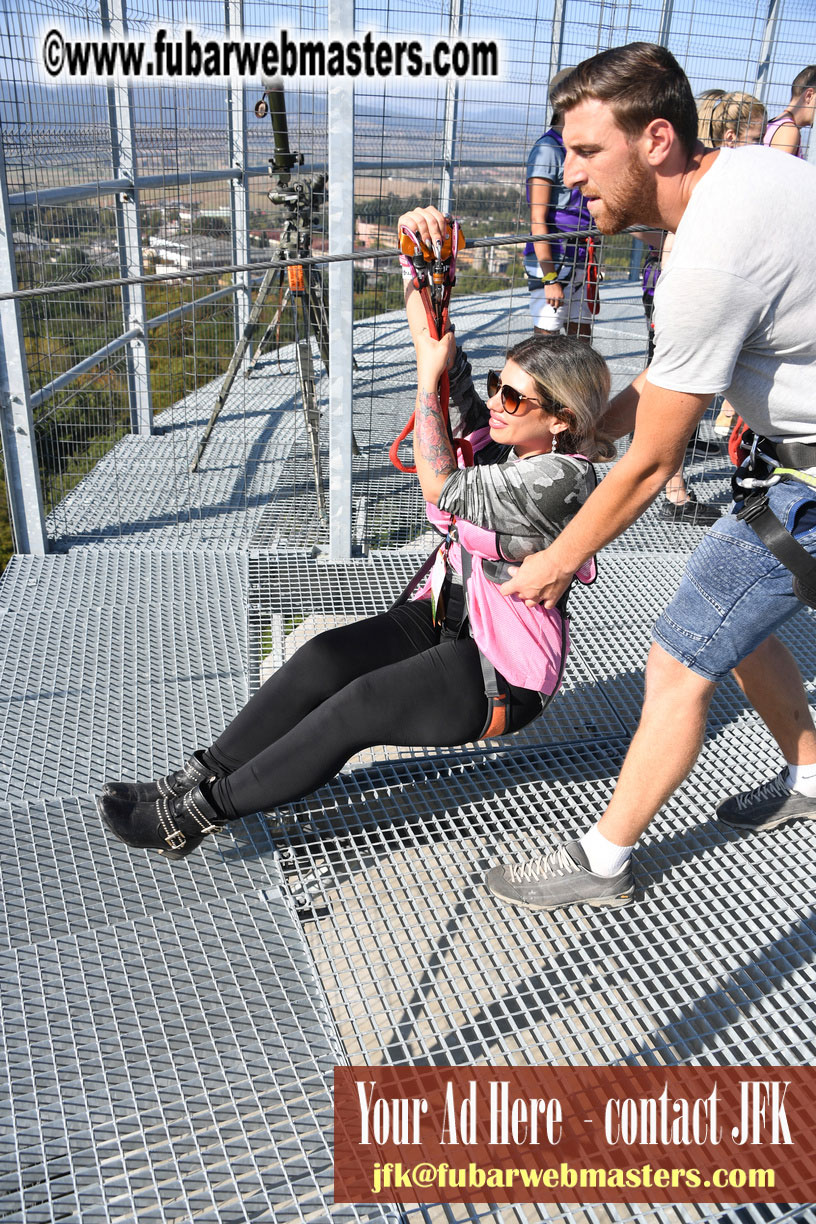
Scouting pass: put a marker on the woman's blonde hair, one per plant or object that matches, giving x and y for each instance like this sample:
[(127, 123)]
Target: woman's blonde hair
[(719, 112), (573, 382)]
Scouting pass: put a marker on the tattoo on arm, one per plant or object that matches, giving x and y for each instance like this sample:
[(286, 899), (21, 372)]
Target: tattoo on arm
[(431, 435)]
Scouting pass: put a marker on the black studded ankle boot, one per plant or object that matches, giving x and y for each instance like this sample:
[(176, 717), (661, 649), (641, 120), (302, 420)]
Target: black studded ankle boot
[(200, 768), (174, 825)]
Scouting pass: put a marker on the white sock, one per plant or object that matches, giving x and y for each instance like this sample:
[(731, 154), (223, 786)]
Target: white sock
[(605, 858), (802, 779)]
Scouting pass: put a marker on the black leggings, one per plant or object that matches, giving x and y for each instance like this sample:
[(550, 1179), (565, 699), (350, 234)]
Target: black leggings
[(392, 679)]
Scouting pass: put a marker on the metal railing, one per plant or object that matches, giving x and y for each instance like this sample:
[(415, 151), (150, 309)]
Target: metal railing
[(443, 150)]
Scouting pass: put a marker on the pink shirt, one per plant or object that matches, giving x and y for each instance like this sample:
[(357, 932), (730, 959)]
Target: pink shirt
[(774, 126)]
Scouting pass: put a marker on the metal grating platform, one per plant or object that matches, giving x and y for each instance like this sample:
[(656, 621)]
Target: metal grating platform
[(61, 873), (422, 966), (169, 1048), (170, 1030), (403, 855), (611, 1214), (95, 682), (172, 1068)]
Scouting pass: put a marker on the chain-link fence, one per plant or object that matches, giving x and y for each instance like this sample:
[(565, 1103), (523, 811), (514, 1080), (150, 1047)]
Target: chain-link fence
[(105, 182)]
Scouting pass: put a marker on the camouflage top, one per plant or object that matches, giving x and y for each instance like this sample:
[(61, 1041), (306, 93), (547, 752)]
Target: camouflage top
[(527, 502)]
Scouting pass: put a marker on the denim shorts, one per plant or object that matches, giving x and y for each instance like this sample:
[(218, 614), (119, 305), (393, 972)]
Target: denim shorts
[(734, 592)]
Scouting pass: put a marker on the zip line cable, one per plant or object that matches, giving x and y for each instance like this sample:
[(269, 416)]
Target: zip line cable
[(157, 278)]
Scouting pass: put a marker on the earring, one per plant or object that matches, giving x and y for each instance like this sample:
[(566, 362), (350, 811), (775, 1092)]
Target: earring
[(554, 445)]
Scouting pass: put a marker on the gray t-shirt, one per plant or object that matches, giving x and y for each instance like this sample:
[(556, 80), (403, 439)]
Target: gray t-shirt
[(526, 502), (734, 308)]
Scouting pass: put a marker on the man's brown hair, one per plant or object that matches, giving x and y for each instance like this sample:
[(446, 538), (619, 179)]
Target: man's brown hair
[(641, 82)]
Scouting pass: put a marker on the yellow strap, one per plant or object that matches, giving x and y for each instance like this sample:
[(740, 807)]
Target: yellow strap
[(803, 476)]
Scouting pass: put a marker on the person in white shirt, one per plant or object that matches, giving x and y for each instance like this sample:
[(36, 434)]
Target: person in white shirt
[(734, 314)]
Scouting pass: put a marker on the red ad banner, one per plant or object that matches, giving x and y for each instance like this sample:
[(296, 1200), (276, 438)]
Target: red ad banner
[(575, 1134)]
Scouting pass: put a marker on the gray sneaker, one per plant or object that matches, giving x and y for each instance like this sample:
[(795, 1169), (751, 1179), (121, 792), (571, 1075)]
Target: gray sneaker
[(766, 806), (561, 877)]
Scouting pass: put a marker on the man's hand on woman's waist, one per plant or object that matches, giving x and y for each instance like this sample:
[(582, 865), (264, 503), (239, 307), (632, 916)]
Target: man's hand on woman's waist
[(540, 579)]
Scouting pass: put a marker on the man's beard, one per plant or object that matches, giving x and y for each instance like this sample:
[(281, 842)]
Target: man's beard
[(634, 201)]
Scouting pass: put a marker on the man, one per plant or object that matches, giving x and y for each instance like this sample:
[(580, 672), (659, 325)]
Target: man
[(734, 313), (785, 131), (556, 270)]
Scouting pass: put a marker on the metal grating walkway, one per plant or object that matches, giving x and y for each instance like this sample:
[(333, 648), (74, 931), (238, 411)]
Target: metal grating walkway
[(169, 1049), (171, 1067), (170, 1032), (115, 662)]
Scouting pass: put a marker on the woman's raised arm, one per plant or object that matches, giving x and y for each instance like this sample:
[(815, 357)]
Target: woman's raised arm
[(433, 450)]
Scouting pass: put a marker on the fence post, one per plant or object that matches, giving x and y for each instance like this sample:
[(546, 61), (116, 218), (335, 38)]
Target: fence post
[(341, 291), (665, 23), (451, 117), (239, 187), (767, 49), (129, 236), (557, 40), (16, 417)]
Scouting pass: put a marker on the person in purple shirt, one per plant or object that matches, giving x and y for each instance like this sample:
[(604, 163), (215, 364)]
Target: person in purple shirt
[(556, 269)]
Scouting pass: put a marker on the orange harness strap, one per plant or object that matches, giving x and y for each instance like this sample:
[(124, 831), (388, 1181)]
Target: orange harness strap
[(435, 291)]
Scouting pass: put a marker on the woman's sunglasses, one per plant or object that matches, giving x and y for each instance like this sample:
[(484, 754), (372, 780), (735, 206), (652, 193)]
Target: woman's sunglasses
[(510, 397)]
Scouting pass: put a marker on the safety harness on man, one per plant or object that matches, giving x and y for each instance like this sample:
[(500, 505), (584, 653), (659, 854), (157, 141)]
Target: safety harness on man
[(433, 274), (765, 464)]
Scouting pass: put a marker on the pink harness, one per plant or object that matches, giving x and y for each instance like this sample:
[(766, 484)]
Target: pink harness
[(527, 646)]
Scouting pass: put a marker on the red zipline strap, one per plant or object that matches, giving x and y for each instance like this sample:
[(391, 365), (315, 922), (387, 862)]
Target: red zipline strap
[(736, 451), (435, 300), (592, 297)]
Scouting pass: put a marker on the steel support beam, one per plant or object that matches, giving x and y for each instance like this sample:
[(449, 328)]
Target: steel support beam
[(665, 23), (16, 415), (341, 291), (93, 359), (47, 392), (557, 39), (40, 198), (450, 130), (766, 51), (129, 237), (239, 186)]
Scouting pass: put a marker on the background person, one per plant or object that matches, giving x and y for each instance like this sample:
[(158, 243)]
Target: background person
[(413, 675), (784, 132), (678, 504), (729, 120), (556, 270)]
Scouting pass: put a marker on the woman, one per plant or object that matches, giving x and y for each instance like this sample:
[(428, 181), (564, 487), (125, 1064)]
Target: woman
[(729, 119), (412, 675), (784, 132)]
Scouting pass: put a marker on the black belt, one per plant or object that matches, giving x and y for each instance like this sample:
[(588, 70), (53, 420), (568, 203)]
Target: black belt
[(757, 513), (798, 455)]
